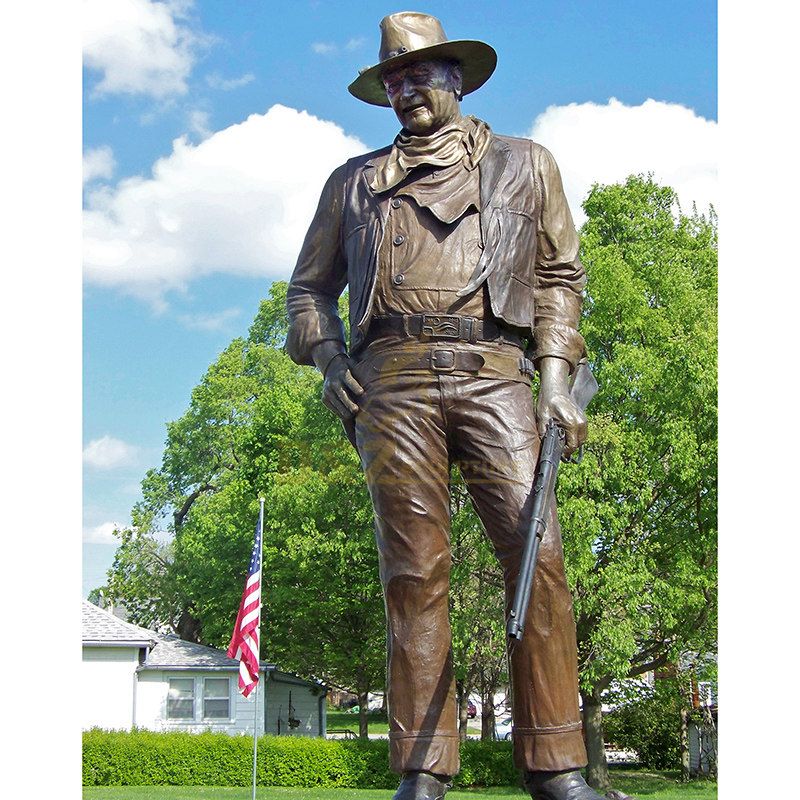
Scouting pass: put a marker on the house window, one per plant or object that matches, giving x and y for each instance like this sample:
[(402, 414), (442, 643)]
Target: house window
[(180, 699), (216, 698)]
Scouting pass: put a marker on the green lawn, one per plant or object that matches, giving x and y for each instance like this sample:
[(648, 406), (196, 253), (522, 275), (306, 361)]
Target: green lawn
[(337, 720), (643, 785)]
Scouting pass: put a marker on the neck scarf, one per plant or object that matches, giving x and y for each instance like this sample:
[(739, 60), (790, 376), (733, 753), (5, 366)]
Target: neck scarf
[(464, 141)]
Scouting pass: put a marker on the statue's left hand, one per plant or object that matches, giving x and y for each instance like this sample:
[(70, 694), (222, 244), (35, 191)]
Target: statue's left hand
[(559, 406), (555, 403)]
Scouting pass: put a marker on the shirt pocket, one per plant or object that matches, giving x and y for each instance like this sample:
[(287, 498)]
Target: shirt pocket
[(519, 244)]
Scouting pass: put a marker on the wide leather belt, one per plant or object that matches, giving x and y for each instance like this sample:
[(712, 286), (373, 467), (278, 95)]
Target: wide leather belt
[(435, 327), (443, 361)]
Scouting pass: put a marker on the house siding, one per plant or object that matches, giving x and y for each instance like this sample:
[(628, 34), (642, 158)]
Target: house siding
[(108, 687), (306, 705), (153, 690), (702, 749)]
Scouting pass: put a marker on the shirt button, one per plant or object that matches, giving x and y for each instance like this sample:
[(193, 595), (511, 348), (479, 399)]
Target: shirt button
[(397, 202), (399, 239), (398, 279)]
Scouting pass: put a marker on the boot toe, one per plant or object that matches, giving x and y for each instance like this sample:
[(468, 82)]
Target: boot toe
[(422, 786), (567, 785)]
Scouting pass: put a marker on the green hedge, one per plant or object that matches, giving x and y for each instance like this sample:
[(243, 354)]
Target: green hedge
[(114, 758), (650, 725)]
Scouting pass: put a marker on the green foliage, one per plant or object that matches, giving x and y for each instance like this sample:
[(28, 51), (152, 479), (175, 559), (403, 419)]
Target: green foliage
[(486, 763), (114, 758), (650, 725), (255, 427), (639, 513)]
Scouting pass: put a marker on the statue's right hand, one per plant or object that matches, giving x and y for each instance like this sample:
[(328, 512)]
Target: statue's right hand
[(340, 389)]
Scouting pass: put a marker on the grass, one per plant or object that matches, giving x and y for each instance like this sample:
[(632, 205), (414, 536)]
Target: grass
[(642, 785), (376, 722)]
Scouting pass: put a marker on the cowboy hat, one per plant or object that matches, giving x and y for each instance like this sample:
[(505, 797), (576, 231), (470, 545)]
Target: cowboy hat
[(410, 36)]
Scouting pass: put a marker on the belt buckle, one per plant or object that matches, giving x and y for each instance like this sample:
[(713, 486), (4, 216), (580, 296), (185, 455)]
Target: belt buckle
[(443, 360), (440, 326)]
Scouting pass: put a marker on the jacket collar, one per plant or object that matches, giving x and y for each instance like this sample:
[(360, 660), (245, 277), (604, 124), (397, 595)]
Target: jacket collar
[(490, 168)]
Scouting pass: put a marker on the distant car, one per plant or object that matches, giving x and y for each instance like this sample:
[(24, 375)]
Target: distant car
[(502, 729), (472, 712)]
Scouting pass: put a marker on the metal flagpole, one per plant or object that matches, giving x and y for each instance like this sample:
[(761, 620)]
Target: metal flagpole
[(258, 655)]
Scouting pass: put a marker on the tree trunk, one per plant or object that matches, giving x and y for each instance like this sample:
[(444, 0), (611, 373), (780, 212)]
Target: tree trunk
[(487, 710), (686, 765), (462, 696), (363, 708), (188, 627), (597, 770)]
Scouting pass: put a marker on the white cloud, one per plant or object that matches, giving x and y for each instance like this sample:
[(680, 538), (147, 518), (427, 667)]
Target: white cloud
[(109, 453), (605, 143), (103, 533), (138, 46), (325, 48), (333, 48), (216, 81), (98, 163), (209, 322), (239, 203), (198, 123)]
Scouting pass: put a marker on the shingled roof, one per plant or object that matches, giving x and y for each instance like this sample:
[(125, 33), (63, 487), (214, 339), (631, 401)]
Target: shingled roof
[(166, 651), (172, 651), (101, 628)]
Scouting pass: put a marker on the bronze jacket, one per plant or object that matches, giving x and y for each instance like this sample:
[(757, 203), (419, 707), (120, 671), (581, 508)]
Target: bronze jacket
[(529, 261)]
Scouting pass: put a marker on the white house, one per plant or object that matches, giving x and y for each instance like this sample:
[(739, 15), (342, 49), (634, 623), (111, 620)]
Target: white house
[(135, 677)]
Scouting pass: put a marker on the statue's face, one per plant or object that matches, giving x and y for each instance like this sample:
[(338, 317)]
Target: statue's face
[(424, 95)]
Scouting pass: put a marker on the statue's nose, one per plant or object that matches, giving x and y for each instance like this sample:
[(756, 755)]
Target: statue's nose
[(409, 87)]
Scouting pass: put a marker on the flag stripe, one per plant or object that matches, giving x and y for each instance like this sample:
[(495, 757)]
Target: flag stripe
[(244, 644)]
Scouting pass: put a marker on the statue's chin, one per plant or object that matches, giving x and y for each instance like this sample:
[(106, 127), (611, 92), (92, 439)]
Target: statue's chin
[(420, 123)]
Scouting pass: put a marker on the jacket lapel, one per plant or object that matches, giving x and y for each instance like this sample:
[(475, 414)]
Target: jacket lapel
[(491, 167), (381, 202)]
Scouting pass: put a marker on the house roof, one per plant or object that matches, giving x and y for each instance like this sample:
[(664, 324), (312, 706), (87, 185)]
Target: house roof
[(166, 651), (171, 651), (99, 627)]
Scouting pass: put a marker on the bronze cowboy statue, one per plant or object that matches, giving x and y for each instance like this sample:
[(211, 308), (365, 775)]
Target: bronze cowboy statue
[(461, 259)]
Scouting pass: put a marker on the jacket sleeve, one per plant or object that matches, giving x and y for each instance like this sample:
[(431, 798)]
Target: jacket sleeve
[(559, 274), (318, 280)]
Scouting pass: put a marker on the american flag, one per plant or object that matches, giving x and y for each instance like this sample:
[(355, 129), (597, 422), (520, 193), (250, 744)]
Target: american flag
[(245, 640)]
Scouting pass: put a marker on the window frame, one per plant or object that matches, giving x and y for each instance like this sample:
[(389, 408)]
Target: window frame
[(229, 716), (171, 717)]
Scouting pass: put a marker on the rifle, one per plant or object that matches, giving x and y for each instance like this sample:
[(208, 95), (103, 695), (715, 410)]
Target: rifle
[(583, 388)]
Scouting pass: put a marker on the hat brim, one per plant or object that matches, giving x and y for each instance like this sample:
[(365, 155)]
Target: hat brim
[(478, 61)]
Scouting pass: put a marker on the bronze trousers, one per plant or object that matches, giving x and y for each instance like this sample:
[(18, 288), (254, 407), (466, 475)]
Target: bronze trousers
[(409, 429)]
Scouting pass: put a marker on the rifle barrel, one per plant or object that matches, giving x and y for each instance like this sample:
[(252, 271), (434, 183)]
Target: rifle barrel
[(547, 469)]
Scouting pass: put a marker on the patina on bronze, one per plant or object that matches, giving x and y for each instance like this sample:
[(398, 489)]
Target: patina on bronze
[(461, 259)]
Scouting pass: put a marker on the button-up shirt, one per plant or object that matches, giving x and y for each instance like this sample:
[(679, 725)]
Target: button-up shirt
[(431, 245)]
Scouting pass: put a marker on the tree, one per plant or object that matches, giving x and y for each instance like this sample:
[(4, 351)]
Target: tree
[(255, 426), (639, 513), (476, 611)]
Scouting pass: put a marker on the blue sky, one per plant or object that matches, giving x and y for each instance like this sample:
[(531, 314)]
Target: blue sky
[(182, 240)]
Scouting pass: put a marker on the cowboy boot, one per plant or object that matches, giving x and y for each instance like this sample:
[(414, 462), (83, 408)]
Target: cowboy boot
[(422, 786), (565, 785)]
